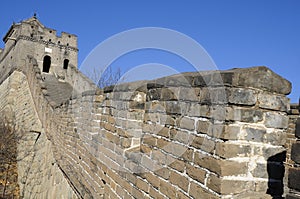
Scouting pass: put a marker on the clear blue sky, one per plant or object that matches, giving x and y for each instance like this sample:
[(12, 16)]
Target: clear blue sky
[(236, 33)]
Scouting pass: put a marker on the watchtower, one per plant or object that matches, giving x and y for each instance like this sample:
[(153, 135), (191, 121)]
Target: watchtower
[(54, 53)]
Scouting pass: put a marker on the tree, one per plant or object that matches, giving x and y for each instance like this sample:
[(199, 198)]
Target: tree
[(105, 78), (9, 139)]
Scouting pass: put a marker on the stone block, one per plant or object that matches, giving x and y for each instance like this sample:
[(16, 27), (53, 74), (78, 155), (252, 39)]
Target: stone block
[(292, 196), (294, 178), (179, 180), (203, 143), (230, 150), (169, 94), (181, 195), (178, 80), (173, 107), (276, 120), (167, 189), (227, 186), (196, 173), (189, 94), (244, 114), (261, 78), (187, 123), (163, 172), (295, 153), (197, 110), (273, 102), (276, 137), (203, 126), (136, 193), (196, 191), (254, 134), (152, 179), (242, 96), (210, 95), (180, 136), (220, 166), (230, 132), (297, 131), (153, 94)]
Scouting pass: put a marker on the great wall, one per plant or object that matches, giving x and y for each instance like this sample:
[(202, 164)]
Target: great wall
[(214, 134)]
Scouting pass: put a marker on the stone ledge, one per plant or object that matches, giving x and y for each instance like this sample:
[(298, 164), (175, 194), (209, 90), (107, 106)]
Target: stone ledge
[(259, 77)]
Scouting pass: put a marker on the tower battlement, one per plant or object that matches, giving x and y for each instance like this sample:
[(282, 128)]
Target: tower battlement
[(54, 53)]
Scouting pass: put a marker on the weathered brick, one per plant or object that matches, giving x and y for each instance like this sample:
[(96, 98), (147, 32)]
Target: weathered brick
[(189, 94), (149, 140), (275, 137), (163, 131), (230, 150), (169, 94), (242, 96), (163, 172), (276, 120), (295, 153), (197, 110), (294, 178), (230, 132), (152, 179), (244, 114), (154, 193), (224, 186), (220, 166), (173, 107), (292, 196), (137, 193), (142, 185), (297, 131), (255, 134), (180, 136), (203, 126), (177, 165), (181, 195), (159, 157), (196, 191), (210, 95), (179, 180), (187, 123), (196, 173), (167, 189), (272, 101)]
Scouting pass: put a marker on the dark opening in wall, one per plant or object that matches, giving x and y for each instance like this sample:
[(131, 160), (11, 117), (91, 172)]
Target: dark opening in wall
[(66, 64), (46, 64)]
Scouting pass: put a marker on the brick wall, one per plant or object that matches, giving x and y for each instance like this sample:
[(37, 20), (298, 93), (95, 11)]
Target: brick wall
[(195, 135), (293, 170), (206, 135)]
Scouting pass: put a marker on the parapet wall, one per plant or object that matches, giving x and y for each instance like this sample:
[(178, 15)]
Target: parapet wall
[(217, 134), (195, 135)]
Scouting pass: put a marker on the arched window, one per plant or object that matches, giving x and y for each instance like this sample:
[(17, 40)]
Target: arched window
[(66, 64), (46, 64)]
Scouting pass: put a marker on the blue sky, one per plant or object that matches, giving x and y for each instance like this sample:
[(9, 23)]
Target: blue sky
[(235, 33)]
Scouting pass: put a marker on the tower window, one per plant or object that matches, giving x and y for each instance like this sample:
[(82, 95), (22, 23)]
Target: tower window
[(66, 64), (46, 64)]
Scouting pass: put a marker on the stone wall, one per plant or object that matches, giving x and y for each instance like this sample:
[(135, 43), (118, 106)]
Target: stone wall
[(293, 170), (217, 134), (38, 173), (211, 135)]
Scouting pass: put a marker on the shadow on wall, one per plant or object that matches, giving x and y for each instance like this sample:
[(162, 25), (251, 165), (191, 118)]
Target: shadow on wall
[(275, 168)]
